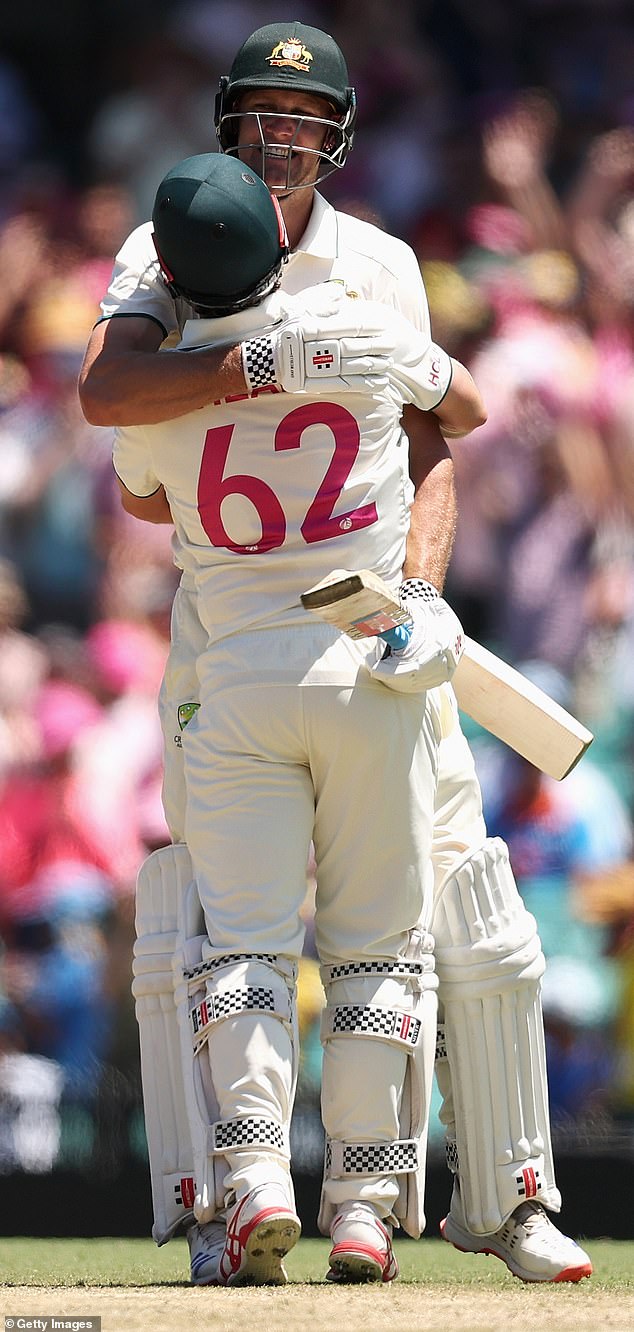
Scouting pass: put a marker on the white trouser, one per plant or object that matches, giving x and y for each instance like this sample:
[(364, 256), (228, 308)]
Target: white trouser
[(305, 751), (309, 751), (458, 823), (178, 695)]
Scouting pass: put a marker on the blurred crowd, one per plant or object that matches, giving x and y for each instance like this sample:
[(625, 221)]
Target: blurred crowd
[(499, 142)]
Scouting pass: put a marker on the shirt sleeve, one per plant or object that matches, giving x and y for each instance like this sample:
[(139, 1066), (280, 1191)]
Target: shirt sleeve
[(137, 286), (132, 460), (425, 378)]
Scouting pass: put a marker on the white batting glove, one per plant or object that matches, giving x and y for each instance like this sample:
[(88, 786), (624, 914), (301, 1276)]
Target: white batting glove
[(317, 356), (421, 371), (435, 645)]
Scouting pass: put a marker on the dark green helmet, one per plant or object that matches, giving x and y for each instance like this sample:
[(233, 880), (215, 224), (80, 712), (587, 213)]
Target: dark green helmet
[(290, 56), (219, 234)]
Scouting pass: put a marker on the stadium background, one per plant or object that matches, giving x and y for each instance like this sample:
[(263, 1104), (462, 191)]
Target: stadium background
[(499, 141)]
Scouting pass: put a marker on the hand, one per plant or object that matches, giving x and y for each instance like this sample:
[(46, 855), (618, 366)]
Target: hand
[(435, 645), (418, 370), (329, 353)]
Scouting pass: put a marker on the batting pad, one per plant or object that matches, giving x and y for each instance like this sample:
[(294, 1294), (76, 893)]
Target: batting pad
[(490, 963), (239, 1052), (376, 1097), (162, 880)]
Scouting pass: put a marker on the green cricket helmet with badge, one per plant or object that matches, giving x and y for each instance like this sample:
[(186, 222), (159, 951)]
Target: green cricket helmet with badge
[(219, 234), (295, 58)]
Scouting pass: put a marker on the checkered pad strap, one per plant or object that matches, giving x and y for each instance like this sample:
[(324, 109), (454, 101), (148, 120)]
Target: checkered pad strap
[(248, 1133), (258, 363), (371, 1158), (388, 1024), (441, 1042), (398, 968), (204, 969), (451, 1154), (231, 1003)]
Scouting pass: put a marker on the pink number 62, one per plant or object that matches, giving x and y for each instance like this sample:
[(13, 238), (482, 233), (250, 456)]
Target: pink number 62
[(320, 523)]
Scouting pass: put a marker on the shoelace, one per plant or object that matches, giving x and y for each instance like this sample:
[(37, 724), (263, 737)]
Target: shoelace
[(531, 1216)]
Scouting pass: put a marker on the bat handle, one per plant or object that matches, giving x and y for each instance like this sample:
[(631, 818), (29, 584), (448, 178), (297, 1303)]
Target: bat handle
[(398, 637)]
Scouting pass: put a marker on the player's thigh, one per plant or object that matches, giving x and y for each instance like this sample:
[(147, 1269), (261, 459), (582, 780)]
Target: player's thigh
[(178, 697), (458, 820), (373, 755), (250, 806)]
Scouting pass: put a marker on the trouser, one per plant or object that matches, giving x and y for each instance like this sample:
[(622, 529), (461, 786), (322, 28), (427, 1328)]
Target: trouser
[(275, 756)]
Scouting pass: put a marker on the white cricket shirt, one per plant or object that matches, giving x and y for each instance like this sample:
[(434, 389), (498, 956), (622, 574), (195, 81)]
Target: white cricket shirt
[(272, 491)]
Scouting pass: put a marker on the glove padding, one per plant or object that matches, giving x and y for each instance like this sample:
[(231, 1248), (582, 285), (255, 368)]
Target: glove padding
[(336, 344), (435, 645), (332, 351)]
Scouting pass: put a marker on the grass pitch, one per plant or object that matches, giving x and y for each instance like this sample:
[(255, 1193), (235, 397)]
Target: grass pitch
[(135, 1287)]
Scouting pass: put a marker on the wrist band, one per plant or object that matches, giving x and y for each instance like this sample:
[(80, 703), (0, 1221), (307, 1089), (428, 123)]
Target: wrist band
[(258, 363), (418, 589)]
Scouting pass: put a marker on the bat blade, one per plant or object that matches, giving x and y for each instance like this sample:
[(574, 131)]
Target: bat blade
[(493, 693), (516, 711)]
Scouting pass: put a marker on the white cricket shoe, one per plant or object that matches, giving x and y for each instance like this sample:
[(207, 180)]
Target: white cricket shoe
[(206, 1244), (530, 1245), (261, 1229), (362, 1246)]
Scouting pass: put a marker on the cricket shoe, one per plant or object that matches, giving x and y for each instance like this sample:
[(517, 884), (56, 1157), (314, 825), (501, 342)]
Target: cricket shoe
[(206, 1245), (362, 1246), (530, 1245), (261, 1230)]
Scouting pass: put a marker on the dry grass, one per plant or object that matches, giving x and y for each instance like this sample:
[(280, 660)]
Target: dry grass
[(303, 1308)]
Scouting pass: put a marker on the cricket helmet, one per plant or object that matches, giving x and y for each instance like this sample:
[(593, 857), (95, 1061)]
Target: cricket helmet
[(219, 234), (290, 56)]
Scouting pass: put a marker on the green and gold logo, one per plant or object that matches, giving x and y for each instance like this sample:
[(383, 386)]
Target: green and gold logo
[(185, 713), (291, 53)]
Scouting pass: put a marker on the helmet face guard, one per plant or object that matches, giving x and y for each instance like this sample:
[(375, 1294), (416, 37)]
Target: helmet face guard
[(337, 141), (293, 58)]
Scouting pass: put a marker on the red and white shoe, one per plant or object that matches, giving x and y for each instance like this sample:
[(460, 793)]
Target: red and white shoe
[(530, 1245), (261, 1230), (362, 1246)]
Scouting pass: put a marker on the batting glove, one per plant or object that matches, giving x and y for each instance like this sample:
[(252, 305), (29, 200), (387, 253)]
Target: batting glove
[(421, 371), (314, 357), (434, 647)]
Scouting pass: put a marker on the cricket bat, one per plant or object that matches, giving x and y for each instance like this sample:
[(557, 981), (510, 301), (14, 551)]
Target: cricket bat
[(494, 694)]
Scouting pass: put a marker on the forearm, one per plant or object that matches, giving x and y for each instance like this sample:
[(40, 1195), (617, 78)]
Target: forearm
[(462, 408), (434, 512), (126, 385)]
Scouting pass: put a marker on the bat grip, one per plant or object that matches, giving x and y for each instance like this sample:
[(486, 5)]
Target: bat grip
[(398, 637)]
